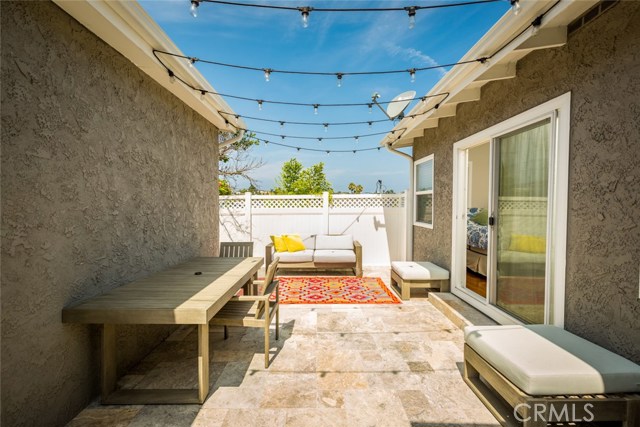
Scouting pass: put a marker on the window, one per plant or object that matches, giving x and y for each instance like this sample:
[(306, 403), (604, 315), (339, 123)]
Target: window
[(423, 190)]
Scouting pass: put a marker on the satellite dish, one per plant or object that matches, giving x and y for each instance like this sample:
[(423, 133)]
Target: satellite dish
[(399, 103)]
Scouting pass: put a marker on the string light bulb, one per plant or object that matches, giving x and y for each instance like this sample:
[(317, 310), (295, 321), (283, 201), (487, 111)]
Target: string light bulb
[(267, 74), (485, 61), (424, 100), (411, 11), (315, 109), (172, 77), (412, 74), (339, 76), (328, 152), (202, 94), (370, 108), (194, 8), (281, 125), (356, 138), (259, 105), (326, 127), (304, 12), (192, 61), (515, 7), (370, 125)]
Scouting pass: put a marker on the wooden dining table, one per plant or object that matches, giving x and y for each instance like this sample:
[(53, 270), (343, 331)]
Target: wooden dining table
[(190, 293)]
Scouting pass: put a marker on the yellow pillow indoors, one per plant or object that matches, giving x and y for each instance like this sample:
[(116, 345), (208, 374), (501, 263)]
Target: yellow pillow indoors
[(526, 243)]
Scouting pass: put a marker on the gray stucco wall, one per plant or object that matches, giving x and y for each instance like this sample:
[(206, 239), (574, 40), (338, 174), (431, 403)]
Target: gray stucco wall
[(106, 177), (600, 65)]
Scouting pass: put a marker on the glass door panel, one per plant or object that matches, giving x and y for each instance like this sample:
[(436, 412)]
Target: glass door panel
[(522, 190)]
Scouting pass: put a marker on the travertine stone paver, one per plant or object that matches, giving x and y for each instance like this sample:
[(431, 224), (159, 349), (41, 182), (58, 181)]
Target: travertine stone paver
[(335, 365)]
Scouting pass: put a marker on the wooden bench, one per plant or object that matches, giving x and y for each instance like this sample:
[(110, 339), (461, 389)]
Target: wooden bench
[(538, 374), (408, 274)]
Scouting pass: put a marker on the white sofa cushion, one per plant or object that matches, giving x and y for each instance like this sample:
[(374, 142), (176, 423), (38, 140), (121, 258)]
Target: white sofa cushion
[(410, 270), (334, 256), (300, 256), (324, 241), (547, 360)]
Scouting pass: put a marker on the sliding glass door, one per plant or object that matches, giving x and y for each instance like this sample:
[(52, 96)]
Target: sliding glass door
[(520, 220), (509, 216)]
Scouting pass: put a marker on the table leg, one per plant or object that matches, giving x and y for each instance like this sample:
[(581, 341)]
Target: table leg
[(109, 360), (203, 362)]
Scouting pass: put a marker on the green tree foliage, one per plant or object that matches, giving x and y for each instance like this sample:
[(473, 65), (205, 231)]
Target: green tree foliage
[(296, 179), (355, 188), (236, 161), (224, 188)]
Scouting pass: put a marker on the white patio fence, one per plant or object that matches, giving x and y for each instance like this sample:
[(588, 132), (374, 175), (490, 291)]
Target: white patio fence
[(378, 221)]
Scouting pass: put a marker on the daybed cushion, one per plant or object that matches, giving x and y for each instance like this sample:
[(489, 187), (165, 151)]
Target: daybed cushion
[(334, 256), (324, 241), (547, 360), (410, 270), (300, 256)]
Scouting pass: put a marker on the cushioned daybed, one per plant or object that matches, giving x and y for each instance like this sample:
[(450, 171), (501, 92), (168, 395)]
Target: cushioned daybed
[(321, 252)]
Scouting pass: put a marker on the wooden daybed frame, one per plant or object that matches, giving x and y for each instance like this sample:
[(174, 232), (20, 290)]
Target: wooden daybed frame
[(501, 396)]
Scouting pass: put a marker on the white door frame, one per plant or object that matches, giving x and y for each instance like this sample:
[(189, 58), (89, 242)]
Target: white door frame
[(559, 110)]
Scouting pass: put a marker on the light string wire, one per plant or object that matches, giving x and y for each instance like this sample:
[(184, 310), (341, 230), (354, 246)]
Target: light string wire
[(317, 150), (267, 101), (320, 138), (325, 9)]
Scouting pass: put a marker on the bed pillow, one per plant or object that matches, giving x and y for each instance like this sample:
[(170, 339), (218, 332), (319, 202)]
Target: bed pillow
[(294, 242), (526, 243), (279, 243), (481, 218)]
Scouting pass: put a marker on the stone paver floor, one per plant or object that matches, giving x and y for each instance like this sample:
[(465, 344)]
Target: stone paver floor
[(334, 365)]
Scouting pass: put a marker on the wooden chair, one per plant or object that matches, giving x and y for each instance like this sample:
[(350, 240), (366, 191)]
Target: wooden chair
[(236, 249), (255, 311), (239, 250)]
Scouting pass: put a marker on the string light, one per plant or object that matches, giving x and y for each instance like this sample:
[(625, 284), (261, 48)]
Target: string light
[(202, 94), (259, 105), (172, 77), (281, 125), (317, 150), (515, 7), (315, 109), (304, 13), (411, 11), (194, 8), (320, 138), (339, 76), (370, 125), (192, 61), (356, 138), (326, 127), (412, 74), (370, 108), (282, 122)]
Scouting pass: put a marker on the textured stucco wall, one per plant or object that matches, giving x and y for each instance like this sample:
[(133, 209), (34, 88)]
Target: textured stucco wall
[(600, 65), (106, 177)]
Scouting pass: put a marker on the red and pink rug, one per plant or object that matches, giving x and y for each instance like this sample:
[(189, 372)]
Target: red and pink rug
[(335, 290)]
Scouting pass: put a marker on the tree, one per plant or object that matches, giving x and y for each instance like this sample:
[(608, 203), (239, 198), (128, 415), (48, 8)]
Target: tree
[(355, 188), (295, 179), (224, 188), (236, 161)]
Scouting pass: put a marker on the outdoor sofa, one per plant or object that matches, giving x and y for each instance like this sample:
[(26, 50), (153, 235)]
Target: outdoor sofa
[(321, 252)]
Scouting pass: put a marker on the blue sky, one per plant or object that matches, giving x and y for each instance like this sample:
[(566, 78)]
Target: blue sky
[(333, 42)]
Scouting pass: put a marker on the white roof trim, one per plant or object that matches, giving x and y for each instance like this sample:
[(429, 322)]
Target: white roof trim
[(463, 82), (129, 29)]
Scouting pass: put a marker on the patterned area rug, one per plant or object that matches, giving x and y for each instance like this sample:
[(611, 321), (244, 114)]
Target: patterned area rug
[(335, 290)]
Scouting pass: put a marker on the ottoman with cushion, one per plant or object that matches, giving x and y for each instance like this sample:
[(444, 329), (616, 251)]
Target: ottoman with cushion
[(547, 374), (408, 274)]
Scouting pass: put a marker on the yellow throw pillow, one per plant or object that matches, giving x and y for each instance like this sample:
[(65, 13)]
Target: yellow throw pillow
[(279, 244), (293, 242), (525, 243)]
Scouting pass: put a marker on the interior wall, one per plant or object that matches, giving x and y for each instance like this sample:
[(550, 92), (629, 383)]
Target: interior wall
[(478, 197), (106, 178), (600, 66)]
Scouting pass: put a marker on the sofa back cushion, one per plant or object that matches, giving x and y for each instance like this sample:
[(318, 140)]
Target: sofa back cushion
[(325, 241)]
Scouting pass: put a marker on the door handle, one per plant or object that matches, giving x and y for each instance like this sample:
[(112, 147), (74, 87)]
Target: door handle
[(492, 221)]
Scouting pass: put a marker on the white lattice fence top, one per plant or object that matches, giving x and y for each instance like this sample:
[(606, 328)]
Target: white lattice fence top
[(355, 202), (232, 203), (523, 204), (303, 202)]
